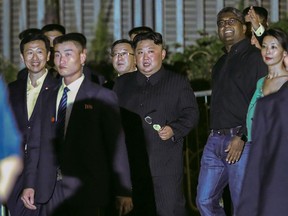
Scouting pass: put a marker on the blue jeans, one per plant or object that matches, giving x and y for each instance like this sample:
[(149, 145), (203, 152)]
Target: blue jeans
[(216, 173)]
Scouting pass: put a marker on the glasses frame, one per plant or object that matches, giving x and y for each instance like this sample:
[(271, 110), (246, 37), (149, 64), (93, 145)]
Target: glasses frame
[(121, 54), (230, 22), (148, 119)]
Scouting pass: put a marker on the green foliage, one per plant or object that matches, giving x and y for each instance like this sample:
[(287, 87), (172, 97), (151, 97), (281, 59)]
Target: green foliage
[(283, 24), (8, 70), (99, 53), (101, 42), (197, 60)]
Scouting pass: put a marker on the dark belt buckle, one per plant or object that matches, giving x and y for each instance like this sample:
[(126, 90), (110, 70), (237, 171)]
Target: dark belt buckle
[(231, 131)]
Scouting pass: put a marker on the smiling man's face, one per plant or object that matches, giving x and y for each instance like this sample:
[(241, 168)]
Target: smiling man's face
[(230, 29)]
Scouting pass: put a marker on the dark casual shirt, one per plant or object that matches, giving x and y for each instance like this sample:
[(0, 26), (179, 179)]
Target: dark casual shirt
[(234, 79)]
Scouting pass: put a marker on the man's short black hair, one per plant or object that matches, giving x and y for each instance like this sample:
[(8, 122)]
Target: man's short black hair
[(239, 15), (53, 27), (33, 37), (260, 11), (29, 31), (120, 42), (154, 36), (73, 36), (140, 29)]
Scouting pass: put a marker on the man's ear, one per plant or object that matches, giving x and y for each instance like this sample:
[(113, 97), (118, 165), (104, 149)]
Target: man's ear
[(244, 28), (22, 58), (83, 56), (48, 56), (163, 53)]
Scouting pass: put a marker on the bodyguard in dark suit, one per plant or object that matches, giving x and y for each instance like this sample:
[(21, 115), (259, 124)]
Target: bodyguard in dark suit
[(81, 165), (24, 101), (265, 186), (166, 105)]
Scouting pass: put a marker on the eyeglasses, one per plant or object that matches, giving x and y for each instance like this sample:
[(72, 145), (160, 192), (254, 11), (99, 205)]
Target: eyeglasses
[(121, 54), (149, 121), (230, 22)]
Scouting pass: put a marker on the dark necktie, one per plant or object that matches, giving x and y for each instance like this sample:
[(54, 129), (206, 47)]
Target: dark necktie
[(62, 113)]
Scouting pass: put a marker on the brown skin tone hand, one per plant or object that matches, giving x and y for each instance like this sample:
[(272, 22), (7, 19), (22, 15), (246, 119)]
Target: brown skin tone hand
[(234, 150)]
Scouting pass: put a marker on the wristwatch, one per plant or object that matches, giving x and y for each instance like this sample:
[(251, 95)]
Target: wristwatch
[(244, 138)]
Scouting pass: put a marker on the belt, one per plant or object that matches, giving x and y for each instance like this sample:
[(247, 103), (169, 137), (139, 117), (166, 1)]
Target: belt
[(225, 132)]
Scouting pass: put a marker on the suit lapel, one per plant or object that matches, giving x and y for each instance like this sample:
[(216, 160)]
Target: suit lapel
[(80, 97), (48, 83), (23, 97)]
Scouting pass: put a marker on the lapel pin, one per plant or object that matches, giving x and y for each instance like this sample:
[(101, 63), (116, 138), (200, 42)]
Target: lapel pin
[(88, 106)]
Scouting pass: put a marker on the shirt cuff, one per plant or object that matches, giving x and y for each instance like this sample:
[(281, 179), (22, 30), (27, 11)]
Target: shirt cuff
[(260, 30)]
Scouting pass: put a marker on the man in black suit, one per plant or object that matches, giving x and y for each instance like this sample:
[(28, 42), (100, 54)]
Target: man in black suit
[(24, 101), (82, 159), (265, 187), (166, 105)]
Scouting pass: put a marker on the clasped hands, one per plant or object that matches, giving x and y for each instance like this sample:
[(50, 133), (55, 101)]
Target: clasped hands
[(165, 132)]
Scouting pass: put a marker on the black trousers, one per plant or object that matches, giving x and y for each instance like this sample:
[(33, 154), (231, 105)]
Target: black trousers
[(169, 196)]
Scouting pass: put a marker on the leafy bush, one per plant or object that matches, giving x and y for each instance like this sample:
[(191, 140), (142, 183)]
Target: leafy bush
[(197, 60), (8, 70), (283, 24)]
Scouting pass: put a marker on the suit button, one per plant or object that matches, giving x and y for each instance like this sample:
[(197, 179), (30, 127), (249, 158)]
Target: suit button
[(141, 105)]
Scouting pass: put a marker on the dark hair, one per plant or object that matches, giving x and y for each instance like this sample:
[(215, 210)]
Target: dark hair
[(29, 31), (154, 36), (261, 12), (74, 36), (120, 42), (34, 37), (53, 27), (280, 35), (234, 11), (139, 29)]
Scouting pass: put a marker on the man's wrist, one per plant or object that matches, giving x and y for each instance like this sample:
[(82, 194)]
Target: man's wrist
[(243, 137), (259, 31)]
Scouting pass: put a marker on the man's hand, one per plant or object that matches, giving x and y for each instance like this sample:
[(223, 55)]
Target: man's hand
[(254, 18), (234, 149), (28, 198), (165, 132), (124, 205)]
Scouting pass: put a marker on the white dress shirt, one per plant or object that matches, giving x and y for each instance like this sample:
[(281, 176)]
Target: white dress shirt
[(71, 95)]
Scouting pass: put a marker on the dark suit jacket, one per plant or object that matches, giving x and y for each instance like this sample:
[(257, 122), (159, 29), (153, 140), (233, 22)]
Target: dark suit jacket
[(265, 187), (169, 100), (18, 101), (93, 153)]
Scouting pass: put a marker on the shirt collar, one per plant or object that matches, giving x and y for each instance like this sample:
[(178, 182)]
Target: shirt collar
[(238, 47), (38, 81), (74, 86)]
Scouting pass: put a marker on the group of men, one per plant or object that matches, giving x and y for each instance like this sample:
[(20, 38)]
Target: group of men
[(85, 145)]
